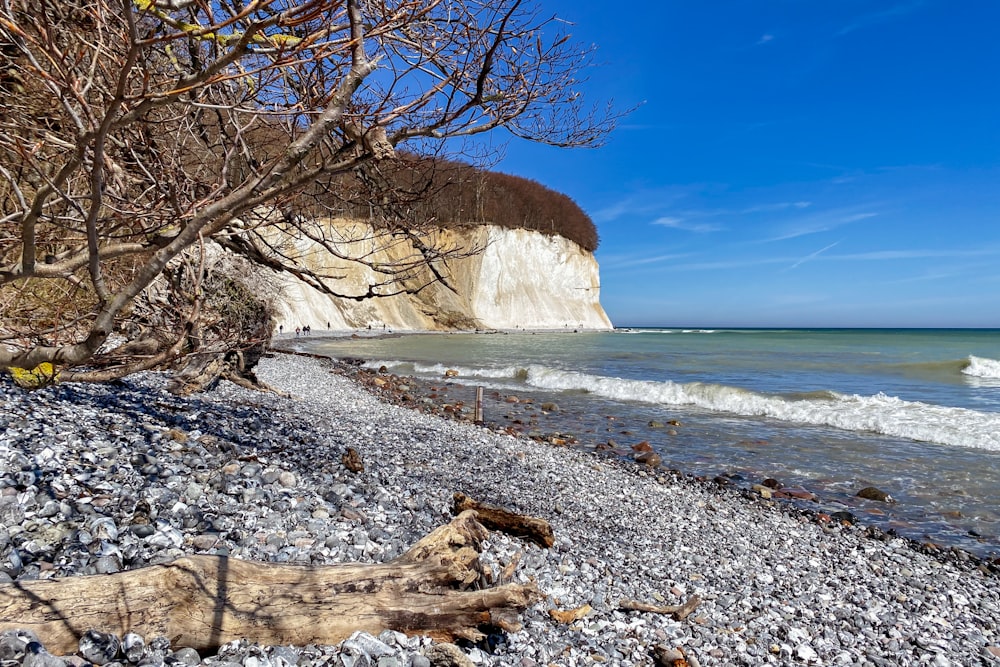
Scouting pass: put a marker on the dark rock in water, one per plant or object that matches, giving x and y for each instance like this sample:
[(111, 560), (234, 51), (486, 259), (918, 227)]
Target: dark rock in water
[(800, 494), (772, 483), (656, 424), (99, 647), (550, 407), (871, 493), (643, 446), (651, 459)]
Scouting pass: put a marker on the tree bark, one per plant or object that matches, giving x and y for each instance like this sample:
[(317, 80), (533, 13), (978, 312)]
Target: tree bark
[(205, 601), (494, 517)]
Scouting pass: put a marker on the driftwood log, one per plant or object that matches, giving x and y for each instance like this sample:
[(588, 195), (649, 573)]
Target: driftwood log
[(494, 517), (205, 601), (679, 612)]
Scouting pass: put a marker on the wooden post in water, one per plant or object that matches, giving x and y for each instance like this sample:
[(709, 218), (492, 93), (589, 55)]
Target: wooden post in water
[(479, 406)]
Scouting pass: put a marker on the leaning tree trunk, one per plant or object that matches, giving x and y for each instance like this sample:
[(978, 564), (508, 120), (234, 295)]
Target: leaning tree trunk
[(205, 601)]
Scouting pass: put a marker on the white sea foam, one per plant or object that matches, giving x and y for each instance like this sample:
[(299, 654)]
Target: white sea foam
[(882, 414), (982, 368), (492, 372)]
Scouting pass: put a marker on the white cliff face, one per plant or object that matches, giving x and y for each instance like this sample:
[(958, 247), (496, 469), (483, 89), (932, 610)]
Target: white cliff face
[(519, 279), (533, 281)]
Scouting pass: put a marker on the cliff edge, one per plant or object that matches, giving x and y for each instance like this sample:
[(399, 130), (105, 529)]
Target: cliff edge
[(500, 278)]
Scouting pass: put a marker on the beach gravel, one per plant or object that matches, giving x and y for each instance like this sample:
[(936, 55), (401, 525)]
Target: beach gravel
[(101, 478)]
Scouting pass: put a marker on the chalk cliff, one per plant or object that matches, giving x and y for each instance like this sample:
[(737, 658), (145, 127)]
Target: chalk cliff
[(517, 279)]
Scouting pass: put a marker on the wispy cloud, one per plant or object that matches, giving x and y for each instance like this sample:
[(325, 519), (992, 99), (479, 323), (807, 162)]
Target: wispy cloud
[(857, 217), (718, 265), (642, 204), (779, 206), (883, 255), (627, 262), (687, 225), (812, 256), (821, 221), (765, 39), (875, 18)]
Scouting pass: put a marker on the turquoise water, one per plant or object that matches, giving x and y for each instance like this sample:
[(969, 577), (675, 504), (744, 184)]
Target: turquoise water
[(914, 412)]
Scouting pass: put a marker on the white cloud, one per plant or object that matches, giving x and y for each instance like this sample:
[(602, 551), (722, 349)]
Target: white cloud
[(667, 221), (858, 216), (765, 39), (684, 225)]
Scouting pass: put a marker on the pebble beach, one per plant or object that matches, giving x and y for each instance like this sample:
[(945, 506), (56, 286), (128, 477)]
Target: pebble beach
[(95, 479)]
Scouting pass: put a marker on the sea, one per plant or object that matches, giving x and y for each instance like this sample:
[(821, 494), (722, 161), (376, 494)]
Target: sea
[(912, 412)]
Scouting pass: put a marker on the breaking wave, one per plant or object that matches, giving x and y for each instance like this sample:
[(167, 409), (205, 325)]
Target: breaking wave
[(882, 414), (982, 368)]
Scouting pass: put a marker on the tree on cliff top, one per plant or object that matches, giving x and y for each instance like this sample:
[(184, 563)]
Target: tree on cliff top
[(134, 132)]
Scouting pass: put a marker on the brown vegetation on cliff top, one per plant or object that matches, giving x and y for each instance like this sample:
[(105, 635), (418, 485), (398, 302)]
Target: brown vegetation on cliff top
[(445, 193)]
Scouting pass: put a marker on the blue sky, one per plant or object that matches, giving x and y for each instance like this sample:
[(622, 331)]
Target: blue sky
[(792, 162)]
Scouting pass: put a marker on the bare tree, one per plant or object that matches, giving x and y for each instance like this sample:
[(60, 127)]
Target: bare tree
[(134, 134)]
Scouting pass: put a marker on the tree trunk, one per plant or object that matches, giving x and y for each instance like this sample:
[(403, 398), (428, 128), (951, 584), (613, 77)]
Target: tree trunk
[(205, 601)]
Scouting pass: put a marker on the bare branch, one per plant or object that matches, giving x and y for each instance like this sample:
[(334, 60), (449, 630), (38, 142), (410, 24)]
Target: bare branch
[(131, 129)]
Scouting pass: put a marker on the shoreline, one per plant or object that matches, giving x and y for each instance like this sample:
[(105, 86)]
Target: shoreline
[(525, 416), (775, 588), (389, 331), (439, 399)]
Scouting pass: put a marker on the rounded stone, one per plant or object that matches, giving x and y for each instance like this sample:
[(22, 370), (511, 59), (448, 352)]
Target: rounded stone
[(99, 647)]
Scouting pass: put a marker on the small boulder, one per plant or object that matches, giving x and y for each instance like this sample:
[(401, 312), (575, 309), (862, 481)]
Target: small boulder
[(643, 446), (871, 493), (651, 459), (352, 460), (447, 655), (800, 494)]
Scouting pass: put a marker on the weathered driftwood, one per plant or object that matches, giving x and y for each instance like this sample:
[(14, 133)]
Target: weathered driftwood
[(497, 518), (206, 601), (679, 612)]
